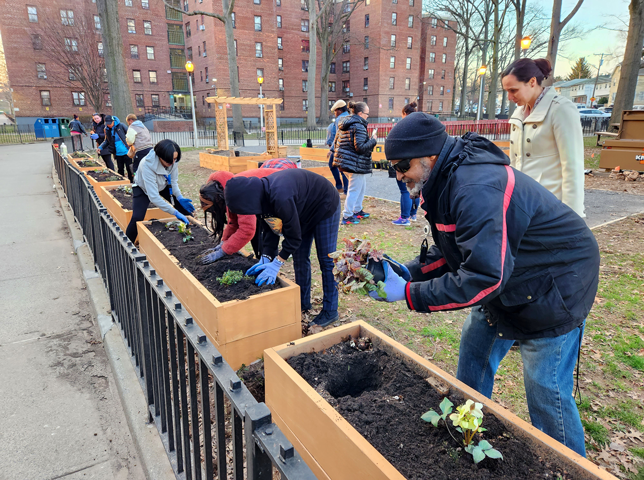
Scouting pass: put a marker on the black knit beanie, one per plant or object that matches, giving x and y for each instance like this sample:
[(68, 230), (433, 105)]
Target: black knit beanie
[(415, 136)]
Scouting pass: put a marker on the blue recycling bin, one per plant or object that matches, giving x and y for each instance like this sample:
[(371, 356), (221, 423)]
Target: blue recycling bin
[(46, 128)]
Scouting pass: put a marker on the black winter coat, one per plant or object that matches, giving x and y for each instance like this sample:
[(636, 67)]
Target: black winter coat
[(99, 129), (353, 146), (505, 242)]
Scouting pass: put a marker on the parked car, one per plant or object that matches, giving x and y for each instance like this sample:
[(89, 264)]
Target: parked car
[(592, 113), (605, 109), (638, 107)]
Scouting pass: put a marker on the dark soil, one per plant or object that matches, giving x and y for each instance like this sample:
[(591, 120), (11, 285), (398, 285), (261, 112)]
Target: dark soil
[(383, 397), (88, 163), (228, 153), (124, 198), (104, 177), (187, 252), (253, 378)]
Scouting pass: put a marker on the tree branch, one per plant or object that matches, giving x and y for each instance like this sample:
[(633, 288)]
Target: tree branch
[(571, 14)]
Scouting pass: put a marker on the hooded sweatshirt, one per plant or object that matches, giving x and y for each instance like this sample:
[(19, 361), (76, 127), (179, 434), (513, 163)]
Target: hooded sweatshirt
[(116, 136), (240, 229), (299, 198), (152, 177), (139, 136), (502, 241)]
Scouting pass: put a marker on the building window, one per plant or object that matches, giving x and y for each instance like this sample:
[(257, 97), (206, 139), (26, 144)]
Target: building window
[(305, 105), (36, 42), (430, 73), (45, 98), (393, 40), (331, 86), (434, 22), (365, 84), (41, 71), (108, 100), (67, 17), (280, 84), (100, 49), (345, 67), (346, 86), (392, 62), (409, 42), (346, 48), (366, 20), (279, 43), (443, 75), (432, 40), (305, 85), (408, 63), (145, 5), (407, 83), (280, 64), (232, 17), (189, 55), (257, 2), (258, 23), (78, 98), (134, 51), (442, 90), (304, 5), (407, 101), (411, 3), (444, 41), (153, 76), (137, 76), (155, 100), (97, 22), (33, 18), (366, 63), (429, 106), (444, 57), (131, 26), (147, 27), (430, 90), (305, 65), (279, 21), (395, 2), (432, 57), (394, 19), (410, 21), (366, 42), (260, 73), (104, 75), (71, 44), (304, 25), (258, 50), (235, 42), (392, 81), (199, 50), (278, 3), (391, 103), (139, 100), (128, 3), (150, 52), (332, 69), (188, 31), (440, 106)]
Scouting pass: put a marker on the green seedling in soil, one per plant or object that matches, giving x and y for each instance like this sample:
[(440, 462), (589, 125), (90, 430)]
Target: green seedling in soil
[(88, 163), (182, 228), (112, 178), (231, 277), (350, 269), (467, 419), (126, 189)]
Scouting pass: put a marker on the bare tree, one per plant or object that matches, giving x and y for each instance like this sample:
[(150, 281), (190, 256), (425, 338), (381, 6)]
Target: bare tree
[(632, 61), (5, 88), (500, 10), (556, 27), (78, 53)]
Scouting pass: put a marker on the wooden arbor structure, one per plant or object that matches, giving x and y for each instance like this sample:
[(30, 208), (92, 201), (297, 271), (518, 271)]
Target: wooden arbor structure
[(270, 119)]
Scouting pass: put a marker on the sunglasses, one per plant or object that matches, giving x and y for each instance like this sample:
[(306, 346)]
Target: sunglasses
[(402, 166)]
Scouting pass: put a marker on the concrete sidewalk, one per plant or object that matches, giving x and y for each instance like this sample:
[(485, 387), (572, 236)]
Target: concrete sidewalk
[(60, 414)]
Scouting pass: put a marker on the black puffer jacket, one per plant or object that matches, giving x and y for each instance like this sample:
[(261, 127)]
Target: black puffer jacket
[(353, 146)]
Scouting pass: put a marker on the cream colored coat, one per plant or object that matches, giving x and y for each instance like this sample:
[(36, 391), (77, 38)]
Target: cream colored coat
[(549, 147)]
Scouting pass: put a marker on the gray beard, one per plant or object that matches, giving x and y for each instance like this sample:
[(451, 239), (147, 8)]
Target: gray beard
[(418, 187)]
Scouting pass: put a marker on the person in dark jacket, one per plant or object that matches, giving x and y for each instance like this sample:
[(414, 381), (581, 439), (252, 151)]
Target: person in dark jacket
[(301, 206), (352, 153), (115, 138), (98, 135), (340, 110), (77, 130), (506, 246)]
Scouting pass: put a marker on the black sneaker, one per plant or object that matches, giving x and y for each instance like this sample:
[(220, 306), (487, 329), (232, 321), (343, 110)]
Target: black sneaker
[(361, 214), (350, 220), (325, 318)]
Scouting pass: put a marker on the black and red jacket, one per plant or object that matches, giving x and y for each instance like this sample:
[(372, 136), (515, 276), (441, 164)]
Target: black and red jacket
[(502, 241)]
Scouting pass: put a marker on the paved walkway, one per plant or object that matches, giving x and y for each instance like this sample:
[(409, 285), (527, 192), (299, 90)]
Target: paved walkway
[(60, 414)]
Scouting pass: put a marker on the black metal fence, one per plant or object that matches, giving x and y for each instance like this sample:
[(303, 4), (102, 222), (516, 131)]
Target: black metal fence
[(198, 404), (10, 134), (206, 138)]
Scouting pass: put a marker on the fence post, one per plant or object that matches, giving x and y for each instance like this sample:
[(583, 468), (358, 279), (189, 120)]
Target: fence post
[(258, 463)]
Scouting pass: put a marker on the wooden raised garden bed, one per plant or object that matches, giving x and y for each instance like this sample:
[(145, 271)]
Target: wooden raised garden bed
[(240, 329), (120, 213), (109, 175), (367, 385), (75, 163), (318, 154), (229, 163)]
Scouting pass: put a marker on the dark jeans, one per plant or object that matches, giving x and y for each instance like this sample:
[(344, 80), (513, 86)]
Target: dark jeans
[(140, 203), (125, 162), (108, 161), (340, 178), (140, 155)]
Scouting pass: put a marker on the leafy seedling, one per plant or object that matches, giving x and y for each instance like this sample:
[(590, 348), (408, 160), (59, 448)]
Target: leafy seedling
[(182, 228), (231, 277), (126, 189), (350, 268)]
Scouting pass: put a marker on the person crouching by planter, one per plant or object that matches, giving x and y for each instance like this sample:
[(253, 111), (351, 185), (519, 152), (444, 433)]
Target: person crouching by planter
[(239, 229), (302, 206), (115, 139), (139, 138), (506, 246), (156, 182), (352, 154)]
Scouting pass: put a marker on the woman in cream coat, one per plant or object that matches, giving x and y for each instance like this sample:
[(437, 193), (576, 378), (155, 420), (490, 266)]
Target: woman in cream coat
[(546, 140)]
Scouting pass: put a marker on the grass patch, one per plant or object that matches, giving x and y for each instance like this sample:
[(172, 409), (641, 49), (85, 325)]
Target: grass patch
[(625, 412), (591, 152), (597, 432)]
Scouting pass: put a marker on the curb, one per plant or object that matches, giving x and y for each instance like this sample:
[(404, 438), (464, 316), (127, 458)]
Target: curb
[(147, 442), (616, 220)]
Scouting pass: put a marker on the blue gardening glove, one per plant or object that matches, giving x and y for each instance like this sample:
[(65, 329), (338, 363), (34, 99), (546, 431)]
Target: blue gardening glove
[(269, 273), (399, 268), (394, 286), (259, 266), (186, 203), (181, 217), (94, 136), (214, 255)]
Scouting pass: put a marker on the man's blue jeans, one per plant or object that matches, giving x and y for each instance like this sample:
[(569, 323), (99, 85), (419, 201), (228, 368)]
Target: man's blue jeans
[(548, 368), (408, 207), (340, 178)]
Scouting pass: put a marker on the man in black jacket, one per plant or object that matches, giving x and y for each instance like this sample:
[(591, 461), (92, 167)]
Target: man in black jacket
[(301, 206), (115, 134), (506, 246)]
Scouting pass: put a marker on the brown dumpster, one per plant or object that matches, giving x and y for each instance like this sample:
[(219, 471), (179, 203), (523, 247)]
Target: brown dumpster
[(627, 150)]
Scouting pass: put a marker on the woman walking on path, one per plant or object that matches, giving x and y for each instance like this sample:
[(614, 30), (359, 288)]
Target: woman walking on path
[(546, 140), (352, 151), (98, 135), (76, 128), (408, 205)]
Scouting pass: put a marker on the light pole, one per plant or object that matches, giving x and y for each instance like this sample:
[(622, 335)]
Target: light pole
[(260, 80), (190, 68), (481, 73), (601, 61), (525, 44)]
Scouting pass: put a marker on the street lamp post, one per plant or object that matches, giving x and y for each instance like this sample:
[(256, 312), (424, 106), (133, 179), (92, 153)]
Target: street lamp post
[(525, 44), (481, 73), (190, 69), (260, 80)]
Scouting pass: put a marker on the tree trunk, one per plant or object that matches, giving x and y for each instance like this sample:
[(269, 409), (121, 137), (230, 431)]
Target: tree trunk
[(556, 26), (504, 102), (420, 109), (520, 7), (238, 121), (494, 73), (632, 60), (324, 87), (466, 61), (114, 62), (313, 43)]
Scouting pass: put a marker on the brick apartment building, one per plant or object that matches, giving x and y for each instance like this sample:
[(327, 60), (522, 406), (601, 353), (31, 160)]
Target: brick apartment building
[(391, 55)]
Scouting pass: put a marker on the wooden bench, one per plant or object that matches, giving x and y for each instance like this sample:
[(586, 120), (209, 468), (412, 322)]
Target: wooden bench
[(605, 134)]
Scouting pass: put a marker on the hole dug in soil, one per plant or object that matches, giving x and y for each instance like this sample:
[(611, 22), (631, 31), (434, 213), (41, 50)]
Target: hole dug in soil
[(383, 397)]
